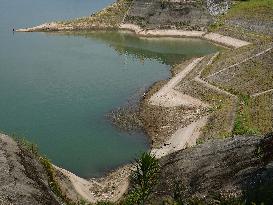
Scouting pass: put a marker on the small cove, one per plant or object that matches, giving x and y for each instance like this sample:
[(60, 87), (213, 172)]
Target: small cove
[(57, 88)]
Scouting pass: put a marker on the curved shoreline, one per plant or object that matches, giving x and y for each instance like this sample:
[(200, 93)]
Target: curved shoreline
[(213, 37), (167, 96)]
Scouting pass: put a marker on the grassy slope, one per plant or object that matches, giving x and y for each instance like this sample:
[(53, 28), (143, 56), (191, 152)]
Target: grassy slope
[(254, 114), (246, 12), (259, 9), (110, 17)]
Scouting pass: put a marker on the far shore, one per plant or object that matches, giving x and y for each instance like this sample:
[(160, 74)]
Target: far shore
[(213, 37)]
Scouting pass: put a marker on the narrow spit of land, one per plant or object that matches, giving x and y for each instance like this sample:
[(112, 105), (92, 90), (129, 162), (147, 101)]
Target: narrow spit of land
[(214, 37)]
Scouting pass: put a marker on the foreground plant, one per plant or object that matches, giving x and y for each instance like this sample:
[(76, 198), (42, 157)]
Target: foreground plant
[(144, 177)]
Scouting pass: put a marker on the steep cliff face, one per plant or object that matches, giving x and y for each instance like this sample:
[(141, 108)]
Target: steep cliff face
[(181, 14), (23, 179), (236, 167)]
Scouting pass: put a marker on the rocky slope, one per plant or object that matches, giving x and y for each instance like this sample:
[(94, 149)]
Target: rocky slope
[(23, 179), (180, 14), (221, 169)]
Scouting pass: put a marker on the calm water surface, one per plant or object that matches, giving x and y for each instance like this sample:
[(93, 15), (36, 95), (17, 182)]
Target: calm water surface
[(56, 89)]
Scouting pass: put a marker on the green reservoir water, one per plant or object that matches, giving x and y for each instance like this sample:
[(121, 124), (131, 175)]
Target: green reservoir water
[(55, 89)]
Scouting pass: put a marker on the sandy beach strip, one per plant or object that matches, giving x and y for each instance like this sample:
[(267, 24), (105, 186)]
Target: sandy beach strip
[(214, 37)]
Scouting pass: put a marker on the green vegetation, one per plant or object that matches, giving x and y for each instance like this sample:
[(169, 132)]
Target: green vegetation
[(179, 199), (216, 25), (55, 187), (238, 21), (262, 112), (50, 171), (234, 56), (219, 122), (26, 145), (143, 179), (253, 8), (255, 115), (109, 17), (243, 123)]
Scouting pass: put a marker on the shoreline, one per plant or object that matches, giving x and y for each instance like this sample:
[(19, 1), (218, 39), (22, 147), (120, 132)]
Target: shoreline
[(210, 36), (184, 136), (108, 188), (174, 33)]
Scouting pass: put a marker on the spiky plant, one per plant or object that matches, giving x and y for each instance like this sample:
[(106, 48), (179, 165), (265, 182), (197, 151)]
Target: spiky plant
[(143, 179)]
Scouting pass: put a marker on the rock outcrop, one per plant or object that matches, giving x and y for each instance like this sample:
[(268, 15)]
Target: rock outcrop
[(23, 179), (237, 167), (180, 14)]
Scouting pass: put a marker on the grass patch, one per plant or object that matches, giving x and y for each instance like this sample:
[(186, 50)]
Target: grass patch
[(234, 56), (253, 77), (219, 23), (240, 20), (55, 187), (262, 113), (243, 121), (111, 16), (219, 123), (262, 9)]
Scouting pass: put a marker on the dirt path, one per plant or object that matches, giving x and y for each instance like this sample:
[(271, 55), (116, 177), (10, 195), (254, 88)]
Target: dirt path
[(184, 137), (167, 96), (261, 93), (187, 136)]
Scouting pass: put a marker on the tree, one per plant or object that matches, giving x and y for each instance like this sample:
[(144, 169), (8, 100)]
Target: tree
[(143, 179)]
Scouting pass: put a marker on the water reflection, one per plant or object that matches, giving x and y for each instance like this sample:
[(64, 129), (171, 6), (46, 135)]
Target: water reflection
[(165, 50)]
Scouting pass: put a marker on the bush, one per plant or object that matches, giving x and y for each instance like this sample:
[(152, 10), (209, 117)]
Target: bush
[(143, 179)]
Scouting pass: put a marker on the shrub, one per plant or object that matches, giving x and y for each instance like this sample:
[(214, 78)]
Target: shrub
[(143, 179)]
